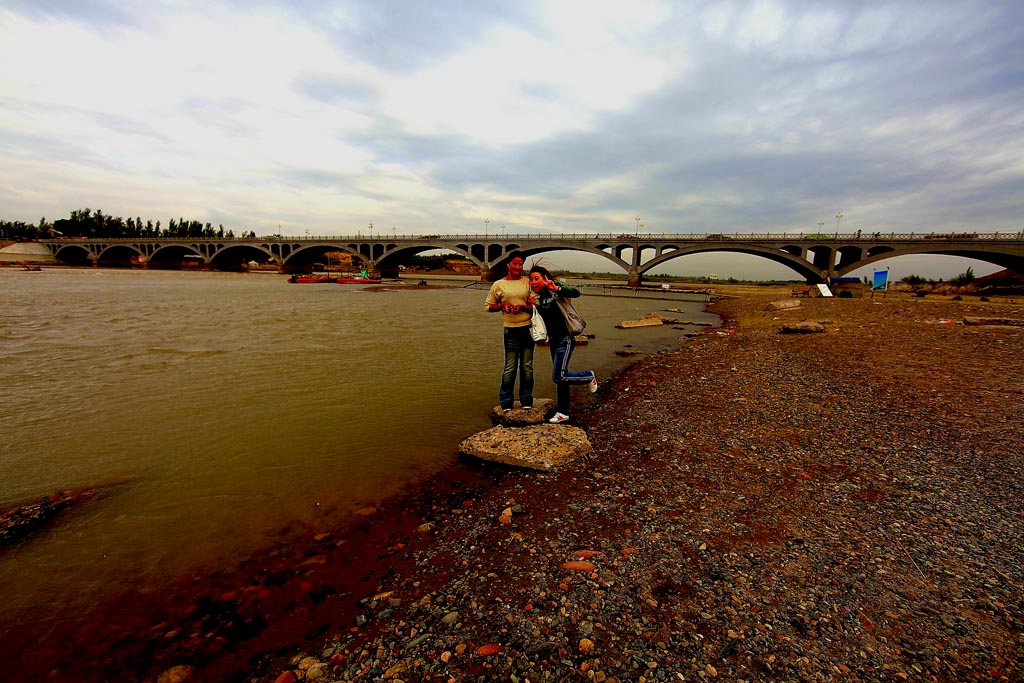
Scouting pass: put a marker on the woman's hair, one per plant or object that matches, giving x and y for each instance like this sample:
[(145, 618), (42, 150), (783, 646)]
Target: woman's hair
[(537, 268)]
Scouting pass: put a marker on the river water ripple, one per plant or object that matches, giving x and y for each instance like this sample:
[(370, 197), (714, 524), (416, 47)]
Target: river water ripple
[(212, 410)]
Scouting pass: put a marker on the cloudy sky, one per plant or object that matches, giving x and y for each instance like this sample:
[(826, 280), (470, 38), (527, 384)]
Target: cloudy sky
[(420, 116)]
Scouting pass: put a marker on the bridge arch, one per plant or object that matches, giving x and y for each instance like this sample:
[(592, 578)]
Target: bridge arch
[(236, 256), (117, 255), (528, 251), (170, 255), (794, 262), (76, 254), (1002, 259)]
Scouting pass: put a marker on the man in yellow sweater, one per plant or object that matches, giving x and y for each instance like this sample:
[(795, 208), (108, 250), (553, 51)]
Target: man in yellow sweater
[(511, 296)]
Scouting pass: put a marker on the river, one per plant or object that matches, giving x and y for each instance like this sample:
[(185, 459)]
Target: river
[(212, 410)]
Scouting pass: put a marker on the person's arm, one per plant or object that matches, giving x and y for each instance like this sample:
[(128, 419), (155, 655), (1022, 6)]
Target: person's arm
[(493, 301), (566, 292)]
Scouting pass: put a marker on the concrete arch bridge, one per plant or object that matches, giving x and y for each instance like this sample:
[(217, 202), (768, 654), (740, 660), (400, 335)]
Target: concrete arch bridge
[(814, 257)]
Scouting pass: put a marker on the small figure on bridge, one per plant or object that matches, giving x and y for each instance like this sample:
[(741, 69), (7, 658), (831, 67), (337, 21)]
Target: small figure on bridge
[(510, 295), (546, 293)]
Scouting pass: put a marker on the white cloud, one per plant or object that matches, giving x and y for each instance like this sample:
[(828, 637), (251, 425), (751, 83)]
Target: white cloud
[(515, 87), (543, 116)]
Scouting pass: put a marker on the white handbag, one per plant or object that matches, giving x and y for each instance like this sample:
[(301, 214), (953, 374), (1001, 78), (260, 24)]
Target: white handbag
[(537, 327)]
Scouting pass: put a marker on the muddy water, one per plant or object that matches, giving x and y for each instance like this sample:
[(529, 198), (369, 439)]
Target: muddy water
[(213, 410)]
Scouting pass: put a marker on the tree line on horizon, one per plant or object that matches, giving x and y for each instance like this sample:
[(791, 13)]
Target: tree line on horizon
[(96, 224)]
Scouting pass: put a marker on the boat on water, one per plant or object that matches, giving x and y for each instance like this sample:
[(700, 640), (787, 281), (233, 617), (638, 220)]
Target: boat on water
[(330, 279), (311, 279), (358, 280)]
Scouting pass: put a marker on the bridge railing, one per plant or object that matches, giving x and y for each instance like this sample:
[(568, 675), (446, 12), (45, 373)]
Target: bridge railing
[(863, 236)]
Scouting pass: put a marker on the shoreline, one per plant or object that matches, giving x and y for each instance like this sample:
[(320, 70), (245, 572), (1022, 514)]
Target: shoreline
[(700, 514), (863, 542)]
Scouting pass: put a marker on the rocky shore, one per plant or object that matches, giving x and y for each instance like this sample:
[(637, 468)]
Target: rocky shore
[(758, 506), (838, 506)]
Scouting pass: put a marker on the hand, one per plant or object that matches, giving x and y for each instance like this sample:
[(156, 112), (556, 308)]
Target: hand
[(551, 285)]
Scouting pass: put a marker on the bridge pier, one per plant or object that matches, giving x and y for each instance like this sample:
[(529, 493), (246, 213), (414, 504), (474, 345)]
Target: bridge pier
[(488, 275), (633, 279)]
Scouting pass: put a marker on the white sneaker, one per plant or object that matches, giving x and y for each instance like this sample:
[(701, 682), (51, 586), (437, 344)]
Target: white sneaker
[(593, 385), (558, 418)]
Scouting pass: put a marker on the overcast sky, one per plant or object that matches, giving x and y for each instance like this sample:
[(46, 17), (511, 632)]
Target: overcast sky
[(436, 116)]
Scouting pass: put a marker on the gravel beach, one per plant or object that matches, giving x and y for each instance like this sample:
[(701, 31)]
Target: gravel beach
[(835, 506), (758, 506)]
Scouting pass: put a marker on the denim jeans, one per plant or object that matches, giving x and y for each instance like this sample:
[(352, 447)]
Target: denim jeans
[(561, 352), (518, 357)]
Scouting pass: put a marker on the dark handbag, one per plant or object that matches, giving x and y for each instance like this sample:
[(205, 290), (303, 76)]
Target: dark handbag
[(574, 322)]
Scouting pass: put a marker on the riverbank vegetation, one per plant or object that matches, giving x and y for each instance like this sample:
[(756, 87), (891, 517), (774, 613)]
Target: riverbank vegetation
[(96, 224)]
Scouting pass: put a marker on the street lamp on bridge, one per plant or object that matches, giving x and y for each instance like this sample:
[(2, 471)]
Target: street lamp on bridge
[(839, 217), (486, 222)]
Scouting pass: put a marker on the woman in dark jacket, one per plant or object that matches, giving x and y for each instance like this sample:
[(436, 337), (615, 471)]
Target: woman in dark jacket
[(545, 292)]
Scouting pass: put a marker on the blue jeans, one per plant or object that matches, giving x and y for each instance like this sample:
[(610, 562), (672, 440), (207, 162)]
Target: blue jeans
[(561, 352), (518, 357)]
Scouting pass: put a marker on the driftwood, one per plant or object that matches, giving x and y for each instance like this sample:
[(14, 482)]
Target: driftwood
[(1011, 322), (17, 524)]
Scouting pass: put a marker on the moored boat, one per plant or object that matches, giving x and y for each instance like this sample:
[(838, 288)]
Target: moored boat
[(311, 279), (358, 280)]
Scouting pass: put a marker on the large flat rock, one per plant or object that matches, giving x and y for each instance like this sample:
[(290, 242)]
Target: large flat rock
[(538, 447), (646, 320)]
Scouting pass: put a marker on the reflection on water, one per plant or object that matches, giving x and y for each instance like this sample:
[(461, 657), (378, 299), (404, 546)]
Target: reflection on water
[(214, 409)]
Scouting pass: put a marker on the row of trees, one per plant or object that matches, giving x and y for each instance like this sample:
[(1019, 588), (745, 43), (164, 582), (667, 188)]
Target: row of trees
[(87, 223), (960, 280)]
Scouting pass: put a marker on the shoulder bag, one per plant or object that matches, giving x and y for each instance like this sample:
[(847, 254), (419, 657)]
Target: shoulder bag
[(574, 322)]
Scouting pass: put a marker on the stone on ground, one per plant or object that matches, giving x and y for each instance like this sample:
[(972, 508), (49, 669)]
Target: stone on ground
[(538, 447), (782, 304), (1005, 322), (802, 328), (646, 320)]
